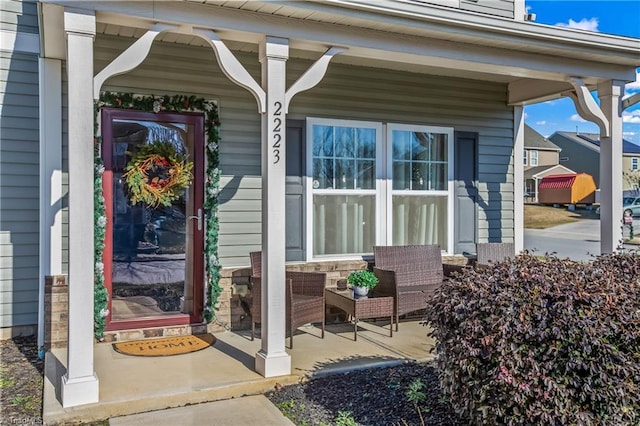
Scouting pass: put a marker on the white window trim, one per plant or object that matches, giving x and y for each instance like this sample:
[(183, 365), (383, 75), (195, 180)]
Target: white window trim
[(635, 166), (384, 181), (532, 157), (526, 157), (378, 127), (389, 178)]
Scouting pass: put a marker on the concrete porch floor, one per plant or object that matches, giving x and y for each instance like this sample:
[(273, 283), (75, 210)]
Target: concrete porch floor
[(130, 384)]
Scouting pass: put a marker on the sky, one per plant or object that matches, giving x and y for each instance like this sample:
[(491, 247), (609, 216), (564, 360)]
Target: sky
[(604, 16)]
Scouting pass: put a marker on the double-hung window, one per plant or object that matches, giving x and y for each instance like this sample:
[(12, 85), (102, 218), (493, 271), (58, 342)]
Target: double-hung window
[(534, 157), (634, 163), (344, 201), (420, 185), (367, 188)]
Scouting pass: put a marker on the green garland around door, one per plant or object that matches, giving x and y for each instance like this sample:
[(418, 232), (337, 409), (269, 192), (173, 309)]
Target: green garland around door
[(179, 103)]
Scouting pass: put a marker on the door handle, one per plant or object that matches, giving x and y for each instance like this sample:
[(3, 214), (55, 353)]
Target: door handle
[(198, 218)]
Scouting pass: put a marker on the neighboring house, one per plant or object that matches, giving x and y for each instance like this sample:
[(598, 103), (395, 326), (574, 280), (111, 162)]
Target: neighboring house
[(581, 152), (541, 158), (316, 129)]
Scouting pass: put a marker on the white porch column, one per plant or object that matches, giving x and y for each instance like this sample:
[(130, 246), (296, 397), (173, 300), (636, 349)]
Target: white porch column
[(272, 359), (80, 383), (50, 88), (518, 178), (609, 93)]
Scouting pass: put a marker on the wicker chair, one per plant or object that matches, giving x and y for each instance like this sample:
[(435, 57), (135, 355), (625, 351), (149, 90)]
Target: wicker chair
[(408, 273), (494, 252), (304, 299)]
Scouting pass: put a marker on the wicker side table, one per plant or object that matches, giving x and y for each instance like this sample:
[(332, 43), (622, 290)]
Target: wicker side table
[(372, 307)]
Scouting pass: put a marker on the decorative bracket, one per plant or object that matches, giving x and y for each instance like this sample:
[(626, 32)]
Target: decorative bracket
[(312, 76), (232, 68), (130, 58), (587, 106), (630, 100)]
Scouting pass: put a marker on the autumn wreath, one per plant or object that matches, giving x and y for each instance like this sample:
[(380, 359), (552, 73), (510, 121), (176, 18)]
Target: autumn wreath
[(156, 174)]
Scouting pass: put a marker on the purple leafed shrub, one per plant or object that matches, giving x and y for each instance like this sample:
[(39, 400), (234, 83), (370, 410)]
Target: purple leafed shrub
[(542, 341)]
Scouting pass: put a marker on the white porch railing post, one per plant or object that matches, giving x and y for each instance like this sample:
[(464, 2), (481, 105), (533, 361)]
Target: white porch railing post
[(272, 359), (609, 93), (80, 383)]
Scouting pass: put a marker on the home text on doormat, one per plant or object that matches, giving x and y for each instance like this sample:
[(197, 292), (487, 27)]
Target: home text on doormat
[(165, 346)]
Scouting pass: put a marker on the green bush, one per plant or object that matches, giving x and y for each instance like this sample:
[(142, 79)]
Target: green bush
[(542, 341)]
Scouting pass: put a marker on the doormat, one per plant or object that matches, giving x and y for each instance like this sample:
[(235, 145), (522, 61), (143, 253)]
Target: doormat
[(165, 346)]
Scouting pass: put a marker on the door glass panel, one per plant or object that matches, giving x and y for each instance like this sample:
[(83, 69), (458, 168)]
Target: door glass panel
[(151, 245)]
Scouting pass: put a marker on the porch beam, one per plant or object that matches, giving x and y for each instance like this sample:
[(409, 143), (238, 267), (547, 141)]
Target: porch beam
[(80, 383), (130, 58), (610, 93), (526, 91), (272, 359), (367, 44)]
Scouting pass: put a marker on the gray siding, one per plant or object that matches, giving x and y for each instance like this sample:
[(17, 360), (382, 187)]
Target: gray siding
[(19, 185), (491, 7), (346, 92), (504, 8), (65, 172), (19, 16), (580, 158)]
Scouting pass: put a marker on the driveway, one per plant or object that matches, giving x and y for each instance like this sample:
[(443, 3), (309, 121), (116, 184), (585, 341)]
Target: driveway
[(576, 241)]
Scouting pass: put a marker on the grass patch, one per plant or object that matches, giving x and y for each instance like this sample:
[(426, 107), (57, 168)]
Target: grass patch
[(6, 383), (28, 403), (541, 217)]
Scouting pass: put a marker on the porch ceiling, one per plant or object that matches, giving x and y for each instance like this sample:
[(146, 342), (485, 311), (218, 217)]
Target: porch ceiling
[(534, 60)]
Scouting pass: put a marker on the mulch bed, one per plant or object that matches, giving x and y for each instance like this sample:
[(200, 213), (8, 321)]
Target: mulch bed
[(371, 397), (21, 373), (375, 396)]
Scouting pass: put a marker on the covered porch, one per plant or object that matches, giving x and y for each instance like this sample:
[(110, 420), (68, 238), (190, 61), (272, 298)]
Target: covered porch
[(130, 384), (521, 61)]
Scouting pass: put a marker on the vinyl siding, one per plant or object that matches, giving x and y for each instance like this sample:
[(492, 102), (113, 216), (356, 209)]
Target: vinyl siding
[(65, 173), (19, 186), (503, 8), (19, 16), (626, 167), (545, 158), (580, 158), (346, 92), (548, 158)]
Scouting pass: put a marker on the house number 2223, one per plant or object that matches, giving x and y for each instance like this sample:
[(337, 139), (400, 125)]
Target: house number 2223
[(277, 131)]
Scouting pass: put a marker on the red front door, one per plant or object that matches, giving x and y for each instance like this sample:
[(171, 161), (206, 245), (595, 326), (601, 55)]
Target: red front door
[(153, 257)]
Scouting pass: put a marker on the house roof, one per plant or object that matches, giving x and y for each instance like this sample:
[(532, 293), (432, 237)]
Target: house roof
[(557, 181), (536, 172), (534, 140), (592, 141)]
